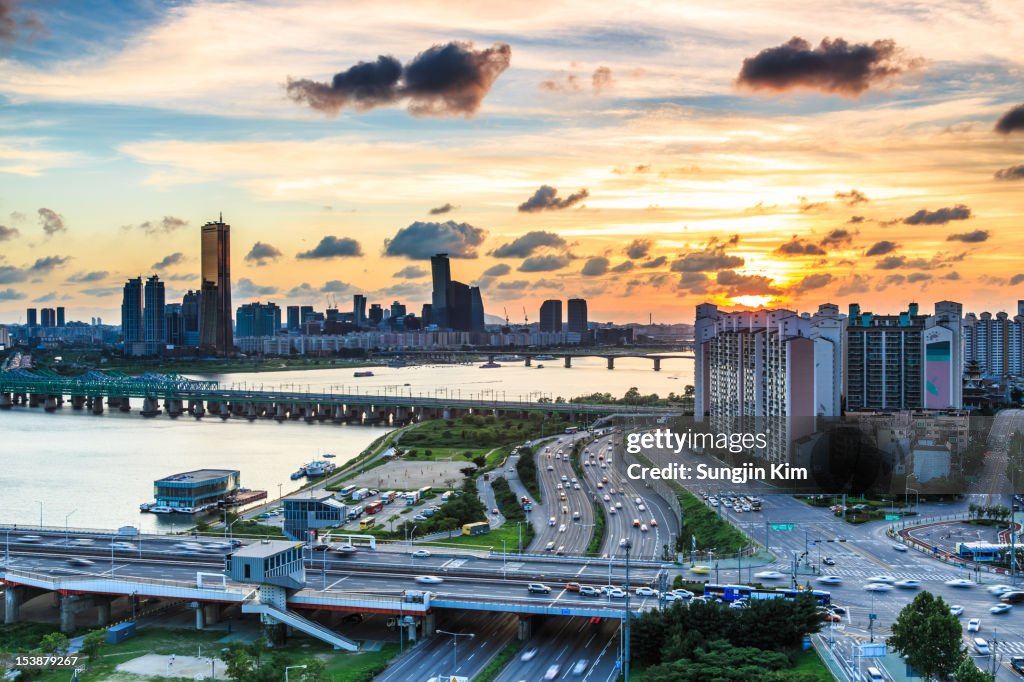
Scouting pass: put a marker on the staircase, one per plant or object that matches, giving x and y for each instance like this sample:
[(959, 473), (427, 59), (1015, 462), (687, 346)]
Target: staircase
[(254, 605)]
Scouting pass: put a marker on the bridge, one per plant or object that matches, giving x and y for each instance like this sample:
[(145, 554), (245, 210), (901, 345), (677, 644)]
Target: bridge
[(180, 395), (529, 357)]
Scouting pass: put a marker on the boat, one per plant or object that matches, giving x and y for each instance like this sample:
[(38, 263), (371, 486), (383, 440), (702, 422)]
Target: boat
[(299, 474), (329, 456), (362, 374), (543, 357), (314, 469), (397, 363), (489, 365), (145, 506), (159, 509)]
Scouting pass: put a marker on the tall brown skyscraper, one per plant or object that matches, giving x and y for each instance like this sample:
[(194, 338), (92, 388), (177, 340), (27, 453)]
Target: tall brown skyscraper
[(215, 304)]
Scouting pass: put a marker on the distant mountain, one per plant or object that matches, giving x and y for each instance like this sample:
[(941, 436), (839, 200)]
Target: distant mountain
[(493, 319)]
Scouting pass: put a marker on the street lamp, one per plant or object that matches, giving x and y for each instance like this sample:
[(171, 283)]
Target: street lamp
[(455, 646), (67, 517), (292, 667), (627, 545), (40, 513)]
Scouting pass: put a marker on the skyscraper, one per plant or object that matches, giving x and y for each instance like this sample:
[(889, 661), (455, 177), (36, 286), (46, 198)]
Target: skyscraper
[(31, 318), (60, 316), (577, 311), (258, 319), (191, 306), (154, 331), (49, 317), (442, 279), (358, 309), (174, 325), (131, 317), (476, 310), (215, 320), (551, 316), (294, 321)]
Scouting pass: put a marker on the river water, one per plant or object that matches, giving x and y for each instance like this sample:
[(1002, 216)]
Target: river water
[(98, 469)]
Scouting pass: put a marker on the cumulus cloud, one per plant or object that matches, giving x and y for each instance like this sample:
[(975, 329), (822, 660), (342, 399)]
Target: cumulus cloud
[(7, 233), (44, 265), (624, 266), (14, 21), (51, 221), (834, 67), (1012, 120), (889, 281), (167, 261), (856, 219), (303, 290), (891, 263), (855, 284), (852, 198), (450, 79), (800, 247), (654, 262), (693, 282), (938, 217), (639, 248), (442, 209), (952, 276), (246, 288), (166, 224), (499, 270), (546, 199), (973, 237), (101, 292), (916, 277), (811, 282), (594, 267), (601, 79), (10, 295), (83, 277), (410, 272), (544, 263), (745, 285), (1011, 173), (837, 238), (421, 240), (524, 246), (45, 298), (333, 247), (881, 248), (335, 286), (712, 258), (260, 253), (514, 285), (1016, 279)]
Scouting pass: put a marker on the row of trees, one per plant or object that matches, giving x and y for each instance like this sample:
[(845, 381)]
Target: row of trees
[(930, 638), (995, 512)]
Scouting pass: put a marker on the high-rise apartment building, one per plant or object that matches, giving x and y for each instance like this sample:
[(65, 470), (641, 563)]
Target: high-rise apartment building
[(131, 317), (441, 275), (995, 342), (476, 310), (376, 314), (258, 319), (551, 316), (174, 325), (154, 333), (215, 326), (191, 312), (358, 309), (294, 321), (49, 317), (60, 316), (577, 317), (31, 317)]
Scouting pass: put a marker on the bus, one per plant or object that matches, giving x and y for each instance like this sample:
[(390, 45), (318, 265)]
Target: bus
[(374, 507), (732, 593), (366, 524), (346, 491), (981, 551), (572, 429), (478, 528)]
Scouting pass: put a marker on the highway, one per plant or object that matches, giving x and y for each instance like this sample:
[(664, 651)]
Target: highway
[(564, 642), (565, 535)]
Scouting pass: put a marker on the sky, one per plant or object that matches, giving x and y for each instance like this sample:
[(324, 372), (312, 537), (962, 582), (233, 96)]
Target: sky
[(645, 155)]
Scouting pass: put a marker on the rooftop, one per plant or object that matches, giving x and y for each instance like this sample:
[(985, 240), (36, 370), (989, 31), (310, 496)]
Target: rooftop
[(317, 495), (198, 475), (265, 548)]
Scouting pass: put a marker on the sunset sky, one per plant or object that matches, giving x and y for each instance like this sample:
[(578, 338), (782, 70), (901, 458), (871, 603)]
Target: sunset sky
[(647, 156)]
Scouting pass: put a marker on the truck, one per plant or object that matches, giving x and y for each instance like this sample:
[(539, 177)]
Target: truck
[(412, 498), (361, 494), (388, 496), (373, 507)]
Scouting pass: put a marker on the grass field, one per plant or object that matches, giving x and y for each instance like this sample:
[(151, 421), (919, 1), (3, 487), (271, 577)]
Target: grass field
[(808, 663), (492, 540)]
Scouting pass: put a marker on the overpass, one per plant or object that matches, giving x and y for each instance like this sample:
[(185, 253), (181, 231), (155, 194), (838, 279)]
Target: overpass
[(179, 395), (529, 357)]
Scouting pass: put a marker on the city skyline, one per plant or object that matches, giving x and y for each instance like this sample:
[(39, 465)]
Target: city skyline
[(677, 156)]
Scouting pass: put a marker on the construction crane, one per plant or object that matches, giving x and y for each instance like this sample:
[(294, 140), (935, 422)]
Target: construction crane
[(506, 317), (526, 319)]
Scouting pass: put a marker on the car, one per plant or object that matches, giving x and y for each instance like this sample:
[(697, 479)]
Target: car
[(611, 510), (429, 579), (551, 521), (600, 485), (668, 596), (637, 500), (551, 468), (828, 561), (588, 591), (573, 587), (607, 498), (839, 610), (1000, 609), (419, 517), (575, 486), (646, 592), (1017, 663), (421, 554), (702, 570), (548, 547), (999, 590), (580, 667), (739, 604), (769, 575), (1012, 597), (956, 610), (643, 527), (974, 624), (79, 561), (641, 507), (830, 580), (561, 550), (552, 672), (636, 523), (561, 528), (124, 546), (887, 579), (618, 505), (83, 542), (30, 539), (959, 582), (830, 617), (908, 584), (528, 654), (616, 593), (981, 646), (558, 487), (654, 522), (878, 587), (900, 548), (682, 594)]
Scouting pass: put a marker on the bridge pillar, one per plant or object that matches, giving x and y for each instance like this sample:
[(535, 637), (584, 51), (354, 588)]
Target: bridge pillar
[(657, 364), (280, 412), (174, 407), (295, 412), (77, 402), (429, 624), (68, 608), (611, 363), (124, 404), (250, 412), (5, 401), (568, 361), (524, 630), (51, 403), (529, 361), (200, 617), (310, 413), (410, 634), (195, 408), (97, 404), (102, 611), (211, 613), (33, 400), (446, 413), (14, 596), (150, 407)]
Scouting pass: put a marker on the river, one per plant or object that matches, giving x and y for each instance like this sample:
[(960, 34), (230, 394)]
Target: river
[(98, 469)]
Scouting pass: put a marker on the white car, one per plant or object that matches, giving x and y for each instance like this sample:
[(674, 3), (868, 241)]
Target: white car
[(956, 610), (668, 596), (643, 527), (580, 667), (429, 579), (959, 582), (999, 590), (682, 594), (878, 587), (641, 507), (528, 654), (618, 505), (617, 593), (769, 575), (1000, 609), (908, 584), (900, 548), (421, 554), (552, 672), (646, 592), (830, 580), (974, 625), (887, 579), (607, 498)]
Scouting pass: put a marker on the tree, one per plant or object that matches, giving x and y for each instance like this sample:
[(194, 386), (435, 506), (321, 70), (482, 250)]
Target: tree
[(54, 643), (928, 636), (967, 671), (480, 461), (92, 643), (316, 671)]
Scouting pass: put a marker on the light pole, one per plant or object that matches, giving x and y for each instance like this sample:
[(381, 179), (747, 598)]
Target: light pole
[(292, 667), (40, 513), (67, 518), (625, 656), (455, 646)]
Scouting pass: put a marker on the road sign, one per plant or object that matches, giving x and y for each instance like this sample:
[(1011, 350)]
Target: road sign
[(618, 665), (872, 616), (782, 526), (873, 649), (892, 517)]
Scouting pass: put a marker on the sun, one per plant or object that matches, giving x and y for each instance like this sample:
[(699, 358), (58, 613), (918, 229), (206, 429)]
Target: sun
[(752, 301)]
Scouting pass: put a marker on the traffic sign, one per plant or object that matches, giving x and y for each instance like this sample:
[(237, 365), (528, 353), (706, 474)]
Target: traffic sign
[(782, 526), (892, 517)]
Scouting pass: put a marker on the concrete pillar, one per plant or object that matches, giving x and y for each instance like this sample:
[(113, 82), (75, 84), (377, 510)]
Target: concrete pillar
[(97, 405), (611, 363), (250, 412), (200, 618), (195, 408), (568, 361), (77, 402), (295, 412), (5, 401), (102, 611), (310, 413), (525, 628), (410, 633), (174, 407), (280, 414), (211, 613), (429, 624), (150, 407), (446, 413), (124, 404), (657, 364), (529, 361), (337, 414), (33, 400), (14, 595), (51, 404), (68, 607)]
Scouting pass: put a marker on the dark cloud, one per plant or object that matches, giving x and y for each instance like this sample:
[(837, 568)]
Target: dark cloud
[(442, 209), (1016, 279), (421, 240), (639, 248), (545, 263), (51, 221), (624, 266), (806, 205), (1011, 173), (852, 198), (746, 285), (166, 224), (595, 267), (45, 298), (891, 263), (835, 66), (524, 246), (856, 284), (83, 277), (1012, 120), (973, 237), (654, 262), (301, 290), (101, 292), (856, 220), (811, 282), (450, 79), (411, 272), (44, 265), (890, 281), (335, 286), (881, 248), (836, 238), (953, 276), (938, 217), (916, 277), (260, 253), (10, 295), (10, 274), (547, 284), (514, 285), (246, 288), (693, 282), (712, 258), (167, 261), (7, 233), (333, 247), (14, 21), (499, 270), (799, 247), (545, 199)]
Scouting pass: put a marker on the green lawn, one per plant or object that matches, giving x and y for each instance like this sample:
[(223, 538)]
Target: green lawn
[(492, 540), (809, 663)]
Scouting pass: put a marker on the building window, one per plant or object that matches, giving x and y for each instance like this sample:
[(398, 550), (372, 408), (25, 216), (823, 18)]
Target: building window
[(248, 571)]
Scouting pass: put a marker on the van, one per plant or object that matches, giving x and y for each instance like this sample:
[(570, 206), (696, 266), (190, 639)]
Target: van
[(575, 516), (874, 675), (981, 646)]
